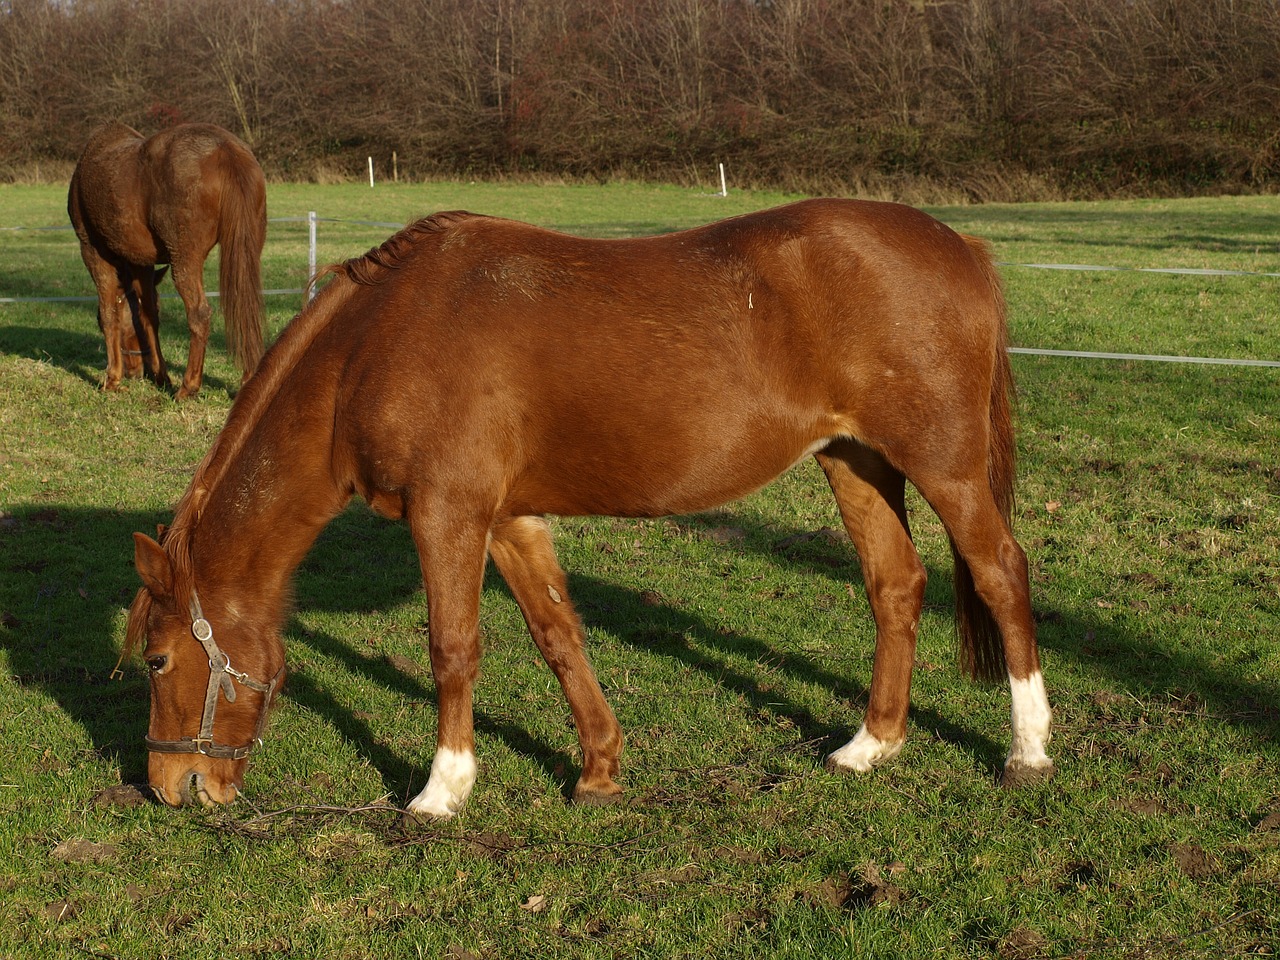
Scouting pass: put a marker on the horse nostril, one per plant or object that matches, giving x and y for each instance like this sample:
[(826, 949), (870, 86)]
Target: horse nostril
[(190, 787)]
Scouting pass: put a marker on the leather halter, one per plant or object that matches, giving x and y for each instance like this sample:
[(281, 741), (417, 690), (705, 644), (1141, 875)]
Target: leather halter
[(221, 675)]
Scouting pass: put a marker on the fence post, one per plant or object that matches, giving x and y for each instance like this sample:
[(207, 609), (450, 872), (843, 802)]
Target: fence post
[(311, 271)]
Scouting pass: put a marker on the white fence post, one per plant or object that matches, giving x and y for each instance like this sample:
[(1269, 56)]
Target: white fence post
[(311, 262)]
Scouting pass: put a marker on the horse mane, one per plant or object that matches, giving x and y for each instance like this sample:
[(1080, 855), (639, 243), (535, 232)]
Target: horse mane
[(378, 264), (135, 626)]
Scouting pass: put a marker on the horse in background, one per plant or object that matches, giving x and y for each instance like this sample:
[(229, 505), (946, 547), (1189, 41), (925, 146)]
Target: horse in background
[(136, 202)]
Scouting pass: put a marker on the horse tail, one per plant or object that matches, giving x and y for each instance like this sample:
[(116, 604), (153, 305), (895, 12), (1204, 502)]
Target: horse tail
[(981, 646), (242, 229)]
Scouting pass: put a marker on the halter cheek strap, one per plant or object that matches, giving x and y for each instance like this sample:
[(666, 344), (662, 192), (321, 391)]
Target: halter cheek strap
[(222, 678)]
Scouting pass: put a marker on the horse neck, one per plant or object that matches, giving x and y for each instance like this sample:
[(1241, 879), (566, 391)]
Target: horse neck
[(261, 517)]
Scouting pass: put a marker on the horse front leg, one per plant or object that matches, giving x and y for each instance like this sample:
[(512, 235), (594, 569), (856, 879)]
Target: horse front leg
[(189, 280), (130, 350), (870, 494), (523, 552), (452, 556)]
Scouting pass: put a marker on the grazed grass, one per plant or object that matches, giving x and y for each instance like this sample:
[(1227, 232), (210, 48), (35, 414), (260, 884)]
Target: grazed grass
[(735, 648)]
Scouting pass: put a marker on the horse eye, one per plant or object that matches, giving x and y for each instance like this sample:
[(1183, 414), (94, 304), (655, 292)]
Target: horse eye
[(157, 663)]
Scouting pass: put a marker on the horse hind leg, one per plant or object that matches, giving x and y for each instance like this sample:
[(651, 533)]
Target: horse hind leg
[(143, 351), (870, 495), (188, 279), (113, 312), (523, 552), (997, 570)]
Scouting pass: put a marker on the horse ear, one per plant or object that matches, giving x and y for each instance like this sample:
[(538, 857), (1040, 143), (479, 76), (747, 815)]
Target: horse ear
[(161, 530), (153, 565)]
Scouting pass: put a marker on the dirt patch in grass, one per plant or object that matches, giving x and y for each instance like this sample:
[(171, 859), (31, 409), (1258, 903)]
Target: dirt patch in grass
[(123, 795), (85, 851), (853, 892), (1022, 943), (1194, 861)]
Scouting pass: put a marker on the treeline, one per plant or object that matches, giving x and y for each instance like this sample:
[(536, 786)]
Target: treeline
[(988, 98)]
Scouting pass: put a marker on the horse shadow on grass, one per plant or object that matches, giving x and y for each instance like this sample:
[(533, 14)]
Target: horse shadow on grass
[(84, 356), (68, 579), (68, 576)]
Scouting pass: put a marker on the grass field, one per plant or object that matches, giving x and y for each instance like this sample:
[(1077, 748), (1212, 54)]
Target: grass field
[(735, 648)]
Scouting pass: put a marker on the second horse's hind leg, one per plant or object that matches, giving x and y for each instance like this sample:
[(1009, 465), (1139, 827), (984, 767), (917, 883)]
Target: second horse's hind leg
[(113, 312), (188, 278), (145, 345), (870, 494), (524, 554)]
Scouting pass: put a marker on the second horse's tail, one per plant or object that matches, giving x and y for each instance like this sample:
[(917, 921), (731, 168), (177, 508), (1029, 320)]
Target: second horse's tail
[(242, 228)]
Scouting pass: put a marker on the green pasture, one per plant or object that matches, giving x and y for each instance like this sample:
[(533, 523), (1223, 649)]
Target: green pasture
[(735, 648)]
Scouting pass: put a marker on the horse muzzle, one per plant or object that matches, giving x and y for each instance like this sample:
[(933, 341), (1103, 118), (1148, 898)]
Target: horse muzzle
[(177, 781)]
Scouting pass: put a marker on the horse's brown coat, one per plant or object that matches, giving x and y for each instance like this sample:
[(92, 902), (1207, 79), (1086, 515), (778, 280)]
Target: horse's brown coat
[(473, 374), (138, 202)]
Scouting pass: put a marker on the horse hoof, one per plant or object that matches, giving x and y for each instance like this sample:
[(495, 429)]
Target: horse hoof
[(862, 754), (417, 823), (597, 797), (832, 765), (1025, 775)]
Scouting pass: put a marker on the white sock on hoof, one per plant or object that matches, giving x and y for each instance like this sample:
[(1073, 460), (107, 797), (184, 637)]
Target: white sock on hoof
[(1031, 720), (863, 752), (453, 774)]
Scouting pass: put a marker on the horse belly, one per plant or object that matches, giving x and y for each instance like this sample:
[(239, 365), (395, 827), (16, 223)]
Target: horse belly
[(684, 468)]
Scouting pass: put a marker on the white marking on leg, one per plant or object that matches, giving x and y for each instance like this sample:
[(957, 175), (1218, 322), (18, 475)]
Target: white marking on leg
[(453, 774), (863, 752), (1031, 721)]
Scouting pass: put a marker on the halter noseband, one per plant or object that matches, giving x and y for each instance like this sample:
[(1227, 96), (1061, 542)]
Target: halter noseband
[(221, 674)]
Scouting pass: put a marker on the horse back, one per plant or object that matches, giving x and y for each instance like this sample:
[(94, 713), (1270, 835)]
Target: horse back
[(190, 173)]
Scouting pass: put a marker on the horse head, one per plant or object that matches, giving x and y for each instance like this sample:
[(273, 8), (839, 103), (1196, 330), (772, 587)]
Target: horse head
[(212, 683)]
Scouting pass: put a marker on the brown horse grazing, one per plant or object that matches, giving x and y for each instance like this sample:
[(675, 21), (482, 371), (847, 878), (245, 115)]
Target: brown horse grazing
[(169, 198), (473, 374)]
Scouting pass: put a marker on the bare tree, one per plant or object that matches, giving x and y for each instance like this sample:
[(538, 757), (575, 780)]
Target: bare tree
[(1092, 95)]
